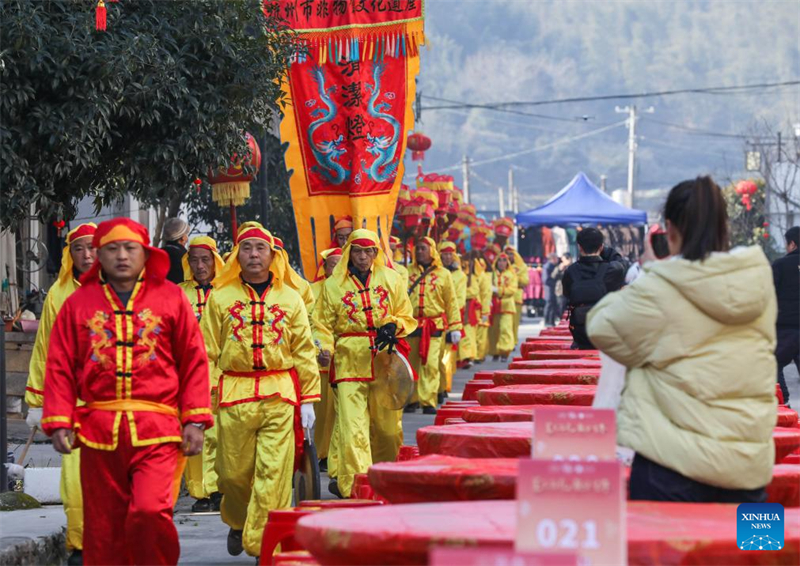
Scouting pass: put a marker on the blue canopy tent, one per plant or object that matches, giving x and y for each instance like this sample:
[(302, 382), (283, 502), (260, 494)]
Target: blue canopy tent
[(580, 202)]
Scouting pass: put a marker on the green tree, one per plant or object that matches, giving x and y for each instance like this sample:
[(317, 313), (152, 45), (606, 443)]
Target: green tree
[(143, 108)]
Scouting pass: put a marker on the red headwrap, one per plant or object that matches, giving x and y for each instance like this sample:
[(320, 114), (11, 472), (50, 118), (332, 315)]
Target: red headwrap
[(127, 230)]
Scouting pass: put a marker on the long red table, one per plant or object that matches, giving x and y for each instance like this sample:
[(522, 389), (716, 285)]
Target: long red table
[(492, 440), (658, 533), (549, 338), (556, 364), (538, 395), (471, 388), (570, 376), (561, 354), (787, 418), (448, 478), (527, 347), (513, 440)]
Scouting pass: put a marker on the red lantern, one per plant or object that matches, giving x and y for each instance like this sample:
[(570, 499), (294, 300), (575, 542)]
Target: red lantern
[(418, 143), (231, 186), (746, 189)]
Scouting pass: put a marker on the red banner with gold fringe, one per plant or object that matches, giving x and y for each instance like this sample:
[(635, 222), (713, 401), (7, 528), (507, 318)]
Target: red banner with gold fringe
[(350, 93)]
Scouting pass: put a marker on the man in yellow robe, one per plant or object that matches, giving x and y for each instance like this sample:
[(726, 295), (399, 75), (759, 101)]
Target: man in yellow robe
[(200, 265), (364, 307), (325, 409), (504, 280), (450, 352), (397, 257), (76, 259), (521, 269), (471, 317), (485, 283), (435, 306), (259, 340)]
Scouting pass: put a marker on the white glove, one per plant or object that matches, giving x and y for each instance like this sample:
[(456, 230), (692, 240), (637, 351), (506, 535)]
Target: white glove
[(495, 290), (34, 418), (455, 337), (307, 416)]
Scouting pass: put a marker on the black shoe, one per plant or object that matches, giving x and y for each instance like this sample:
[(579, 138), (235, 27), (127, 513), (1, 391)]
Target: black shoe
[(75, 559), (202, 506), (333, 488), (495, 358), (428, 410), (504, 359), (440, 398), (323, 465), (411, 408), (468, 364), (478, 362), (446, 394), (216, 501), (235, 547)]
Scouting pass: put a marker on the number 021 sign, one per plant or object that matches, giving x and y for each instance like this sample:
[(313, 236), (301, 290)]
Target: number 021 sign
[(572, 507)]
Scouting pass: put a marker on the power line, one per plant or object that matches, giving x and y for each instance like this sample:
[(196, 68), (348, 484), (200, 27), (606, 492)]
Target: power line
[(707, 90), (466, 106), (697, 131), (543, 147)]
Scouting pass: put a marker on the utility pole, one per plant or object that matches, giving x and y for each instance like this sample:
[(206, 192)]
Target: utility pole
[(631, 111), (465, 181), (502, 203), (511, 189), (603, 179)]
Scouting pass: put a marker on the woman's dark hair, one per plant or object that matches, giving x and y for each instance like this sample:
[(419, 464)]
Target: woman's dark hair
[(699, 212)]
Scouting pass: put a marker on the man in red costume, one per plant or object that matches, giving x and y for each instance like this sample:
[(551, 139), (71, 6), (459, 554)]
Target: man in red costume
[(128, 344), (342, 227)]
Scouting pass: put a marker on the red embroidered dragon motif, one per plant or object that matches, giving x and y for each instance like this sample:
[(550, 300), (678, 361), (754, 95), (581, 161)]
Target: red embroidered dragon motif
[(279, 315), (96, 326), (434, 279), (348, 300), (383, 298), (146, 338), (236, 314)]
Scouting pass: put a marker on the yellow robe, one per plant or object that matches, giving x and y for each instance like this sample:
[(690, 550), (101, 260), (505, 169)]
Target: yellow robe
[(450, 355), (506, 284), (485, 285), (71, 493), (433, 299), (325, 410), (200, 475), (365, 431), (253, 342), (521, 270), (468, 347)]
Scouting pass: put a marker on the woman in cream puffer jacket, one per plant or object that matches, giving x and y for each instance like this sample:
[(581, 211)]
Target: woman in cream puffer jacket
[(699, 405)]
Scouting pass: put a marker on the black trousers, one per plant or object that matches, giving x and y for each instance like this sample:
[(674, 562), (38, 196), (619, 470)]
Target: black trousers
[(654, 482), (787, 351)]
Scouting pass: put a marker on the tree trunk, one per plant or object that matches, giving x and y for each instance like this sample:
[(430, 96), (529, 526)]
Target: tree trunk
[(161, 216)]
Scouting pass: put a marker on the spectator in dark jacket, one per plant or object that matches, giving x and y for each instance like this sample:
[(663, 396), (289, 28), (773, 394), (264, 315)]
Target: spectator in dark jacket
[(786, 275), (176, 235), (599, 271), (549, 281)]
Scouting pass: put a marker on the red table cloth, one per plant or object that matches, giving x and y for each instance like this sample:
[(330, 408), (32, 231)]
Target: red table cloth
[(561, 354), (787, 417), (491, 440), (555, 332), (553, 337), (471, 388), (528, 347), (658, 533), (787, 440), (447, 478), (501, 413), (451, 411), (569, 376), (556, 364), (538, 395)]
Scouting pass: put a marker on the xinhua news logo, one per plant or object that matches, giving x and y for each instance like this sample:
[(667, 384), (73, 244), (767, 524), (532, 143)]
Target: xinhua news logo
[(759, 526)]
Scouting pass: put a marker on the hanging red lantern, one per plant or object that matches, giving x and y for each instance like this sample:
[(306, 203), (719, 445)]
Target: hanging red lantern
[(231, 186), (418, 143), (59, 225), (746, 189)]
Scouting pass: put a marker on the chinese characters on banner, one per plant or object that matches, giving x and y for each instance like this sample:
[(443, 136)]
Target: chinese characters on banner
[(350, 91), (572, 507)]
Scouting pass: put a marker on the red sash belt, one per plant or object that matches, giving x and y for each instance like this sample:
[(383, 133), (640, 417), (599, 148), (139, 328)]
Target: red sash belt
[(473, 312), (427, 326)]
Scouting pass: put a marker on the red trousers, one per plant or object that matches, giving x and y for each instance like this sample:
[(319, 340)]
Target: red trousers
[(127, 501)]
